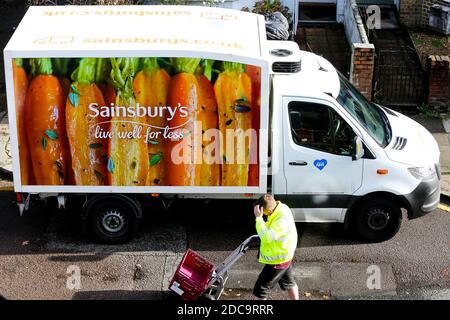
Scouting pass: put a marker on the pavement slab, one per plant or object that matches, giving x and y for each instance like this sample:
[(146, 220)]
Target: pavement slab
[(353, 279), (446, 123), (101, 276), (310, 275), (170, 267), (338, 280), (433, 124), (443, 140), (445, 186)]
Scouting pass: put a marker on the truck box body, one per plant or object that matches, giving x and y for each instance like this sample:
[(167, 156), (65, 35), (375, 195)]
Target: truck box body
[(70, 33)]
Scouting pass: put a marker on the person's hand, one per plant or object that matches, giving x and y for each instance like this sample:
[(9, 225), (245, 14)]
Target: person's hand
[(258, 211)]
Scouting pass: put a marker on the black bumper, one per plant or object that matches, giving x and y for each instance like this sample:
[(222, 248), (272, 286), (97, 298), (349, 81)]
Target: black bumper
[(425, 198)]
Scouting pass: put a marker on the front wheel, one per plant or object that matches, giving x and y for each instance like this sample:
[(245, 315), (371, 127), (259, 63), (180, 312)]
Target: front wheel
[(112, 221), (376, 220)]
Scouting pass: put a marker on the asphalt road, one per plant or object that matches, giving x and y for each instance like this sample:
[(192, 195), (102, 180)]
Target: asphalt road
[(41, 251)]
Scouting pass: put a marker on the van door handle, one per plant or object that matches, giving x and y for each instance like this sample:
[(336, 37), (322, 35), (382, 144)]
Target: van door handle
[(298, 163)]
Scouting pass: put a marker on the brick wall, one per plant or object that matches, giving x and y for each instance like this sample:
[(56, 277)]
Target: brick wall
[(410, 12), (426, 5), (361, 69), (438, 68), (415, 12)]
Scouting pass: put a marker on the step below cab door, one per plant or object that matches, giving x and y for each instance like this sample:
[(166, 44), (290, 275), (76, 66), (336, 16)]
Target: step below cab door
[(320, 174)]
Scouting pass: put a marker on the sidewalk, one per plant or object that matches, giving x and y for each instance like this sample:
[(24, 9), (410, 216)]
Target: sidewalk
[(5, 146), (336, 280), (445, 158), (5, 155), (440, 129)]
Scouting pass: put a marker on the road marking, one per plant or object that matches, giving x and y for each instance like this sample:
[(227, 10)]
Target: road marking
[(444, 207)]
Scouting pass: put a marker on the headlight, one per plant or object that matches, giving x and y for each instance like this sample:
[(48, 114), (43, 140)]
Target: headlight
[(422, 172)]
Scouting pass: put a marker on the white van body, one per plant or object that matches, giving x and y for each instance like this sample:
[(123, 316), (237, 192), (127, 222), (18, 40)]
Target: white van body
[(326, 151)]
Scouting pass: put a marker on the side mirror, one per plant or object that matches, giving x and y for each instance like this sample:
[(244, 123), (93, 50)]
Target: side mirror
[(358, 149)]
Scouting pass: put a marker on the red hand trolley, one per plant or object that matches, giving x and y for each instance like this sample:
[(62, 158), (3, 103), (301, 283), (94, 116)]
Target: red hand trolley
[(196, 277)]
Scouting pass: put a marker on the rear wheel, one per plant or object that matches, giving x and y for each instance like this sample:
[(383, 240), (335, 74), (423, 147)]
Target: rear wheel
[(112, 221), (376, 220)]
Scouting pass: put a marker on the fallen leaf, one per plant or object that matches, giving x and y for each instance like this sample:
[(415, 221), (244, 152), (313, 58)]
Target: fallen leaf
[(325, 297), (25, 243), (307, 294)]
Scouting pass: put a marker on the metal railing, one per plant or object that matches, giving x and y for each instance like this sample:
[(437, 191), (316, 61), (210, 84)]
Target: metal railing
[(399, 85)]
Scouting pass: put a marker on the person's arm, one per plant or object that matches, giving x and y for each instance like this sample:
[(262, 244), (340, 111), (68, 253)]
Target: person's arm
[(277, 230)]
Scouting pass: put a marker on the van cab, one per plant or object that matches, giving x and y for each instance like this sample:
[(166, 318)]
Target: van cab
[(346, 159)]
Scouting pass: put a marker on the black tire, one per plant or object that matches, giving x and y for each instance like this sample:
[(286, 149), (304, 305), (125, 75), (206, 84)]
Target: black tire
[(112, 221), (376, 220)]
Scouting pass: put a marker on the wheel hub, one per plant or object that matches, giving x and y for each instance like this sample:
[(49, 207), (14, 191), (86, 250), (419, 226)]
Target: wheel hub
[(377, 219), (113, 220)]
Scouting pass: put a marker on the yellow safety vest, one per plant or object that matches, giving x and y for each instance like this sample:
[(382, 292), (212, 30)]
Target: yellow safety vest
[(278, 236)]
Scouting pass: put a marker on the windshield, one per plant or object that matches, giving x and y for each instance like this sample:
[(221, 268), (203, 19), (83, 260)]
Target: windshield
[(366, 113)]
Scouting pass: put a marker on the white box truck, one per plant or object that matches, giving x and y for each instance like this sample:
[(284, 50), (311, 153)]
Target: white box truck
[(117, 103)]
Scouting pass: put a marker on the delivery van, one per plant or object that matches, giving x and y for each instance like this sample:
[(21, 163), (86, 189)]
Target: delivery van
[(123, 103)]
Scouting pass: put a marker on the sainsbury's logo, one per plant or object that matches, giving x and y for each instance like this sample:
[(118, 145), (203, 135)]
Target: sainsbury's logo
[(137, 110)]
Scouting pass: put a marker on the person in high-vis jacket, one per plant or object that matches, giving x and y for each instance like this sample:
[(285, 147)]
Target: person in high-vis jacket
[(278, 243)]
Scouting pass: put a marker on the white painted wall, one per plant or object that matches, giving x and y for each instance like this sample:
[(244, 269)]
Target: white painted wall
[(350, 24), (351, 27), (340, 8)]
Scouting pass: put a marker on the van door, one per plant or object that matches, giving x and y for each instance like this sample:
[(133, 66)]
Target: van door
[(320, 174)]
